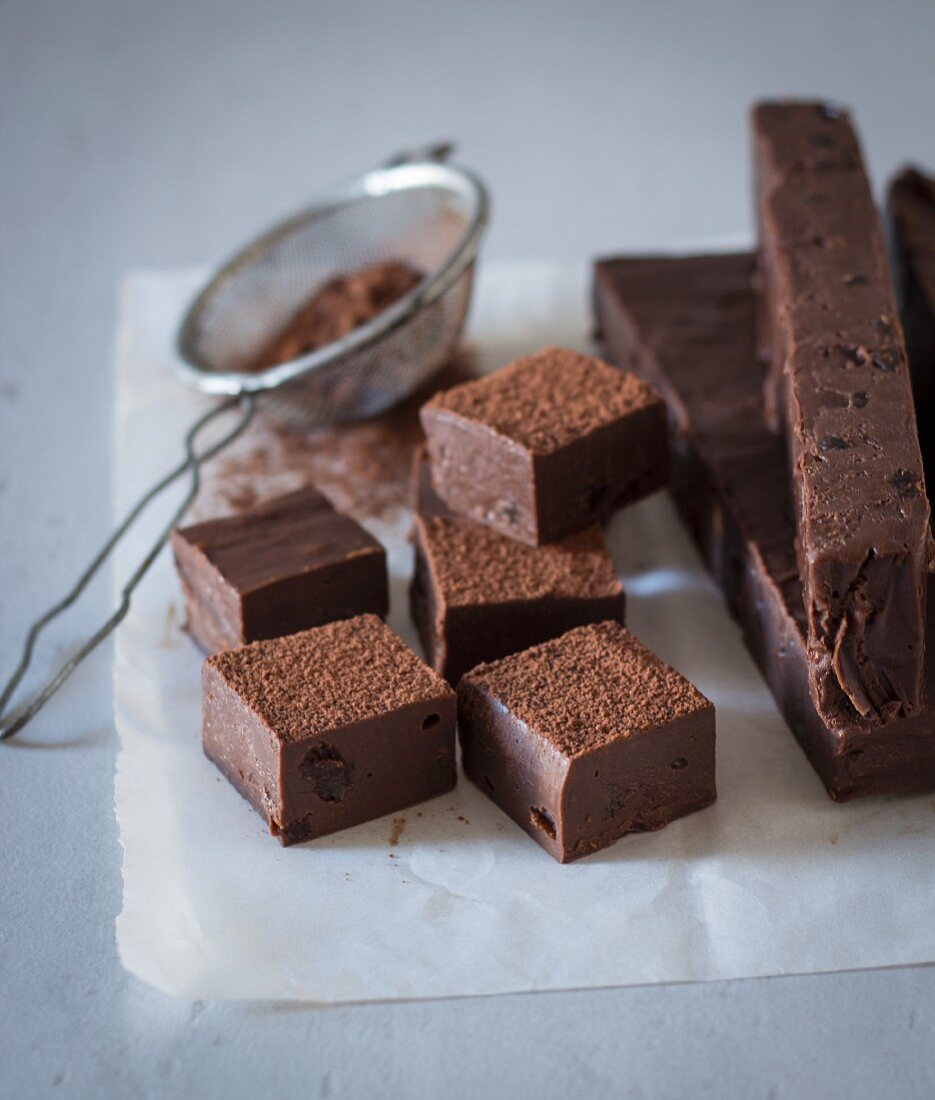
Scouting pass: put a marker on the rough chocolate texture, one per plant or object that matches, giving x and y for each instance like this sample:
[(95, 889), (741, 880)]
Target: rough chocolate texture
[(840, 384), (688, 325), (585, 738), (911, 210), (329, 727), (477, 595), (291, 563), (547, 446)]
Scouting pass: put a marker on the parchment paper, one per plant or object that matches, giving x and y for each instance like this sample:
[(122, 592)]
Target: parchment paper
[(451, 898)]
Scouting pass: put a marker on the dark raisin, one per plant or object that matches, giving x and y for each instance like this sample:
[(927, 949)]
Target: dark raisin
[(542, 820), (828, 110), (298, 831), (860, 399), (832, 443), (328, 772), (680, 763), (856, 280), (510, 512), (905, 485), (617, 798)]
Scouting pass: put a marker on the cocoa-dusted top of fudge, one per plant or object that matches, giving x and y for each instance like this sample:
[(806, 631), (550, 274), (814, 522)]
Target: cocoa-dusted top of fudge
[(291, 534), (589, 687), (318, 680), (547, 400), (473, 564)]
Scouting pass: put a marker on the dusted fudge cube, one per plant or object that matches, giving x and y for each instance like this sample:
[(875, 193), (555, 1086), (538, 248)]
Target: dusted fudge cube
[(330, 727), (289, 564), (547, 446), (478, 595), (585, 738)]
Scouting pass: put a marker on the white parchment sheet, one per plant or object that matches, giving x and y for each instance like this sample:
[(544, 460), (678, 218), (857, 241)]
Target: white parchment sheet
[(772, 879)]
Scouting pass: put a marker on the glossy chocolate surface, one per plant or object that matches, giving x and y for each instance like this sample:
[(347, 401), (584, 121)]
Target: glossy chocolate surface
[(291, 563)]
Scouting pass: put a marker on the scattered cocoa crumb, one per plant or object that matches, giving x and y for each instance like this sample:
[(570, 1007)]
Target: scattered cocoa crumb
[(340, 306), (399, 823)]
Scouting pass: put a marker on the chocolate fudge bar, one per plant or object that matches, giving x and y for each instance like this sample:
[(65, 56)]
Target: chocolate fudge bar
[(688, 325), (478, 595), (911, 212), (290, 563), (547, 446), (841, 386), (329, 727), (585, 738)]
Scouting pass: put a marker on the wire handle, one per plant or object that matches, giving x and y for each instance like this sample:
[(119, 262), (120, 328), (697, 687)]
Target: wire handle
[(193, 461)]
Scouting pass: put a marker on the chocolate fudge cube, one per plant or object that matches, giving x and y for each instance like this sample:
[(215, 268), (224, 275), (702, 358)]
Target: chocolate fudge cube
[(329, 727), (547, 446), (289, 564), (585, 738), (478, 595)]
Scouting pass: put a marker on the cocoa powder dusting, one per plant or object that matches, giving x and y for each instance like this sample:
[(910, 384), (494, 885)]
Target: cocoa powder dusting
[(340, 306), (362, 468)]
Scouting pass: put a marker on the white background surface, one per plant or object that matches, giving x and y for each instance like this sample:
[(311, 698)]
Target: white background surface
[(139, 134)]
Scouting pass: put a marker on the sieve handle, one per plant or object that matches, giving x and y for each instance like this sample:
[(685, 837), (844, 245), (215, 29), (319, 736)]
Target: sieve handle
[(435, 150), (11, 724)]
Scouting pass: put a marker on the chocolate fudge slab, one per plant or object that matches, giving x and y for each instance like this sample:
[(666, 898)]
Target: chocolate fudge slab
[(546, 446), (289, 564), (586, 738), (330, 727), (841, 386), (911, 216), (477, 595), (688, 324)]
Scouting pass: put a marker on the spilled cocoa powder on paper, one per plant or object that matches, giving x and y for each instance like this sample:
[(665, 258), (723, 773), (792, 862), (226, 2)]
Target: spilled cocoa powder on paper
[(363, 468)]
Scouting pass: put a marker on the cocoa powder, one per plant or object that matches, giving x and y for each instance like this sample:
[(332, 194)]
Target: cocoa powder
[(340, 306)]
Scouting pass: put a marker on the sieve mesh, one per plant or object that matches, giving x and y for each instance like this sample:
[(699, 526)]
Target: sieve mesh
[(425, 214)]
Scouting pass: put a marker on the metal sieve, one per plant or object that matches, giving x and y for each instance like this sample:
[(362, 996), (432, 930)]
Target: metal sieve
[(416, 209)]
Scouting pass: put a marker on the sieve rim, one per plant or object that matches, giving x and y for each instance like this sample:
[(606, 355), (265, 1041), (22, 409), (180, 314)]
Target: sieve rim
[(377, 183)]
